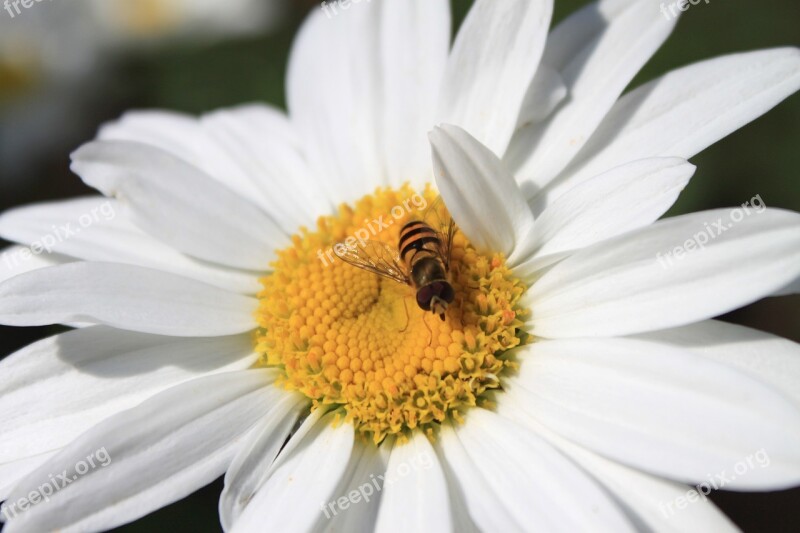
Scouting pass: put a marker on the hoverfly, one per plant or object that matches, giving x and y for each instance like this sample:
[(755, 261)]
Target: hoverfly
[(421, 260)]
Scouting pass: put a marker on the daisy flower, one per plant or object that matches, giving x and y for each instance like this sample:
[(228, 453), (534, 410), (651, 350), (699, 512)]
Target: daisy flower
[(138, 22), (575, 383), (54, 57)]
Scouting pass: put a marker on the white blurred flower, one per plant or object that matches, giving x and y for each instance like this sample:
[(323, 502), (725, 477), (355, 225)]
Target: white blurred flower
[(126, 22), (55, 55)]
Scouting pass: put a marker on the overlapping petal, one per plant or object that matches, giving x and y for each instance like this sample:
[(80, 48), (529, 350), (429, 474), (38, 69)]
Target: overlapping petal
[(256, 454), (415, 496), (513, 480), (651, 503), (367, 106), (480, 193), (57, 388), (623, 199), (768, 358), (675, 272), (181, 205), (494, 60), (18, 260), (662, 410), (251, 149), (302, 480), (125, 297), (146, 457), (595, 75), (97, 229), (685, 111)]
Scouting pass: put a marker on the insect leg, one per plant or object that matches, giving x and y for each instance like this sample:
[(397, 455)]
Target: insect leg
[(408, 319), (430, 331)]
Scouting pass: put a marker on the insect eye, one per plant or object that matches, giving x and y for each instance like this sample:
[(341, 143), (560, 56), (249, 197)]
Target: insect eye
[(447, 293), (424, 296)]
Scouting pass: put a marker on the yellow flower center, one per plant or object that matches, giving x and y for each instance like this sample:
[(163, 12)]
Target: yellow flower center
[(351, 340)]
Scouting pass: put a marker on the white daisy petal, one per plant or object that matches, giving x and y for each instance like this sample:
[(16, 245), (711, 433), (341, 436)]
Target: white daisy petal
[(183, 136), (249, 468), (146, 457), (180, 204), (595, 77), (482, 196), (96, 229), (357, 499), (459, 508), (638, 282), (302, 480), (651, 503), (545, 92), (536, 488), (384, 78), (494, 60), (771, 359), (467, 485), (124, 296), (791, 288), (57, 388), (415, 41), (572, 35), (252, 149), (532, 269), (685, 111), (628, 197), (334, 100), (262, 140), (16, 260), (415, 490), (11, 473), (661, 409)]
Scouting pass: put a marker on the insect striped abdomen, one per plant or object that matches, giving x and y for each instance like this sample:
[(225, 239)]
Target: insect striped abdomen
[(418, 240)]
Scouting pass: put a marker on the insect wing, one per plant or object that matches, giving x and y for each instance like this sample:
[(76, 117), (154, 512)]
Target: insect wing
[(440, 221), (375, 257)]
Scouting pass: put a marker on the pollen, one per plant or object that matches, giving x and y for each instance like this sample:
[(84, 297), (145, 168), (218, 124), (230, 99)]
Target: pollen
[(357, 342)]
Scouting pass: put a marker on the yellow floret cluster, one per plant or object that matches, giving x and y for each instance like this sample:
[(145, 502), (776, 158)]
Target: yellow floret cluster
[(351, 340)]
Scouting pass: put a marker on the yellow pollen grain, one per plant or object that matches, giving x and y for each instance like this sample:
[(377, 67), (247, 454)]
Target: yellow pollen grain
[(351, 340)]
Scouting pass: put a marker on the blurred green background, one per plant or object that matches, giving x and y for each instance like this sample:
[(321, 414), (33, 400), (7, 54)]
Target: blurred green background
[(762, 158)]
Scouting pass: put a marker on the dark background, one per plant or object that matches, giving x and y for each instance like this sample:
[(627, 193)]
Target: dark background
[(762, 158)]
